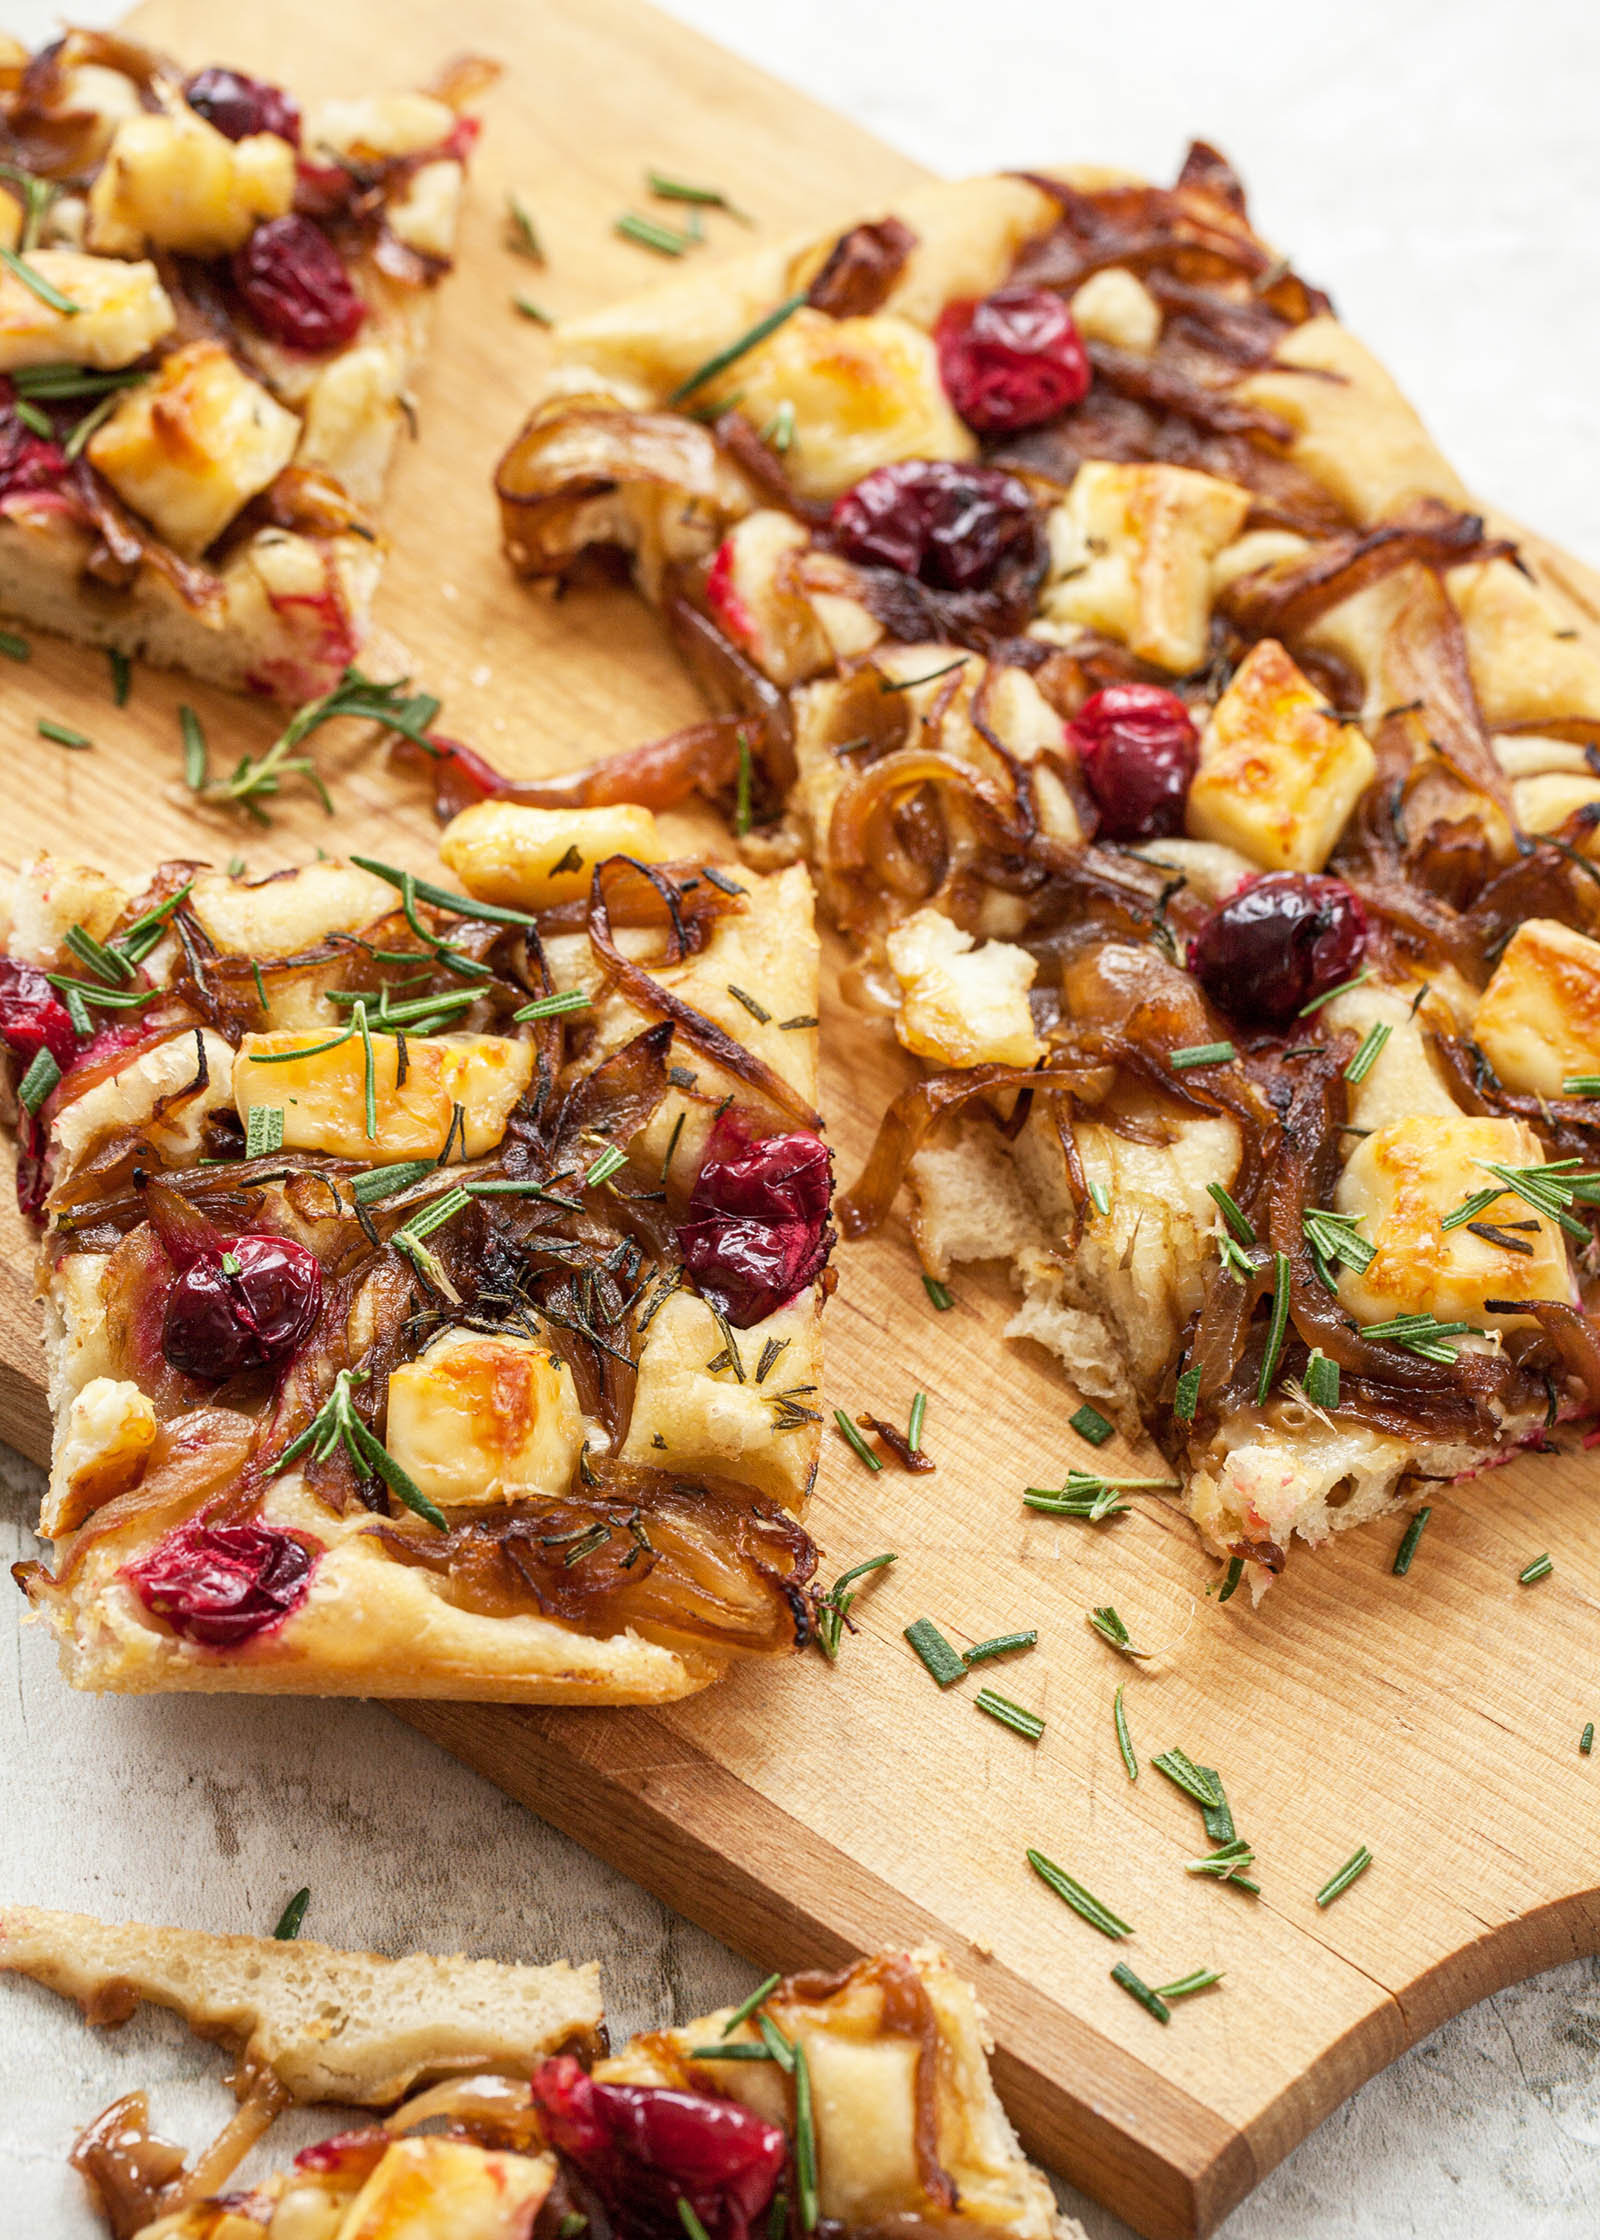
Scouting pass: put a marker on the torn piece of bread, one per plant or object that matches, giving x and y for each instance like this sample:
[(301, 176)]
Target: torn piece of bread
[(351, 2027)]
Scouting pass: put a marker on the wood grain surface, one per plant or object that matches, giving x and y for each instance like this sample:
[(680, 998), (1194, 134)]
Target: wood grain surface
[(803, 1812)]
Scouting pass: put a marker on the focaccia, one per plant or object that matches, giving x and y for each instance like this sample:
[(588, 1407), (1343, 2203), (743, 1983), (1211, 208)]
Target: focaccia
[(857, 2103), (432, 1278), (1208, 791), (211, 312)]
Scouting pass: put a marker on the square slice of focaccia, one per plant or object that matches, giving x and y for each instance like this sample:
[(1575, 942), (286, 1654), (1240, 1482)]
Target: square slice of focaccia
[(212, 306), (432, 1277), (1094, 614), (895, 2124)]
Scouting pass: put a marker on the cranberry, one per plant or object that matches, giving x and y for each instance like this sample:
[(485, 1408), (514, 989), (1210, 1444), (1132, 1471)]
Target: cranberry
[(222, 1584), (247, 1307), (238, 105), (295, 286), (1011, 360), (949, 526), (32, 1016), (27, 461), (757, 1231), (645, 2148), (1139, 749), (1280, 941)]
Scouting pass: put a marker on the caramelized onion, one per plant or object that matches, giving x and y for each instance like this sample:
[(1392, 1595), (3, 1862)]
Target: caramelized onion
[(577, 449), (861, 268), (1282, 600)]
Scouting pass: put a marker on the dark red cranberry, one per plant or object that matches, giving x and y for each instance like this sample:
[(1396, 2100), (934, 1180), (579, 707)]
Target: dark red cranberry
[(1139, 750), (28, 461), (32, 1016), (248, 1307), (222, 1584), (1280, 941), (645, 2148), (1011, 360), (757, 1231), (295, 286), (238, 106), (949, 526)]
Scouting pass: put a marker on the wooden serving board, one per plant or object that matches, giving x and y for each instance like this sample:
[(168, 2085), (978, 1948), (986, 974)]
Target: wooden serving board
[(804, 1812)]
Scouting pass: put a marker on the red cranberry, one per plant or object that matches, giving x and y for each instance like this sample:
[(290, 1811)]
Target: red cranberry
[(295, 286), (238, 105), (1011, 360), (1280, 941), (223, 1584), (248, 1307), (645, 2148), (27, 461), (1139, 749), (32, 1016), (757, 1231), (949, 526)]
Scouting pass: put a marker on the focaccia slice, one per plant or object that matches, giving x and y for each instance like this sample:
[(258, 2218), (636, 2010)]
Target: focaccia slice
[(432, 1278), (207, 350), (896, 2120), (1065, 575)]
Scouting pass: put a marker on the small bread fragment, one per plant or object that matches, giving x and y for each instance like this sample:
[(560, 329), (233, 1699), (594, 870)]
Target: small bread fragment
[(351, 2027)]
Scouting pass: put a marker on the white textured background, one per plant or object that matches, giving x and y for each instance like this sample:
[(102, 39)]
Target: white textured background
[(1436, 165)]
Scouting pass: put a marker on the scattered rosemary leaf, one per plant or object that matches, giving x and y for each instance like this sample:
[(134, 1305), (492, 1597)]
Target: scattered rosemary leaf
[(1111, 1629), (1277, 1329), (1151, 2001), (779, 430), (571, 2225), (1181, 1769), (1119, 1719), (14, 646), (1082, 1901), (936, 1653), (1371, 1049), (1230, 1584), (853, 1439), (940, 1296), (611, 1161), (1100, 1197), (1227, 1862), (336, 1424), (1202, 1054), (1540, 1568), (1408, 1546), (910, 684), (375, 1183), (805, 2141), (800, 1019), (62, 736), (522, 234), (41, 1077), (195, 759), (721, 361), (1218, 1818), (740, 2052), (1586, 1739), (263, 1130), (919, 1405), (1321, 1381), (532, 310), (1090, 1424), (1000, 1645), (1186, 1397), (1238, 1221), (833, 1608), (35, 419), (552, 1007), (683, 190), (666, 241), (742, 813), (1337, 1884), (1328, 994), (37, 284), (292, 1915), (1333, 1237), (1026, 1723), (747, 2007), (757, 1011), (689, 2220), (1198, 1980), (1423, 1334), (121, 677)]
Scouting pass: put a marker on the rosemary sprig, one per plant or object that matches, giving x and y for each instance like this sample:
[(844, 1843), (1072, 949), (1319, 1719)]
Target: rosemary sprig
[(416, 890), (1336, 1237), (257, 778), (834, 1607), (1111, 1629), (1550, 1189), (335, 1425), (1227, 1862), (1423, 1334), (1082, 1901), (1085, 1495), (747, 2007)]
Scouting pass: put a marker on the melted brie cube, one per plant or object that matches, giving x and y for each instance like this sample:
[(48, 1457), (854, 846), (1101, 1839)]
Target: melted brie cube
[(122, 309), (1277, 776), (962, 1005), (178, 182), (1403, 1180), (1131, 553), (754, 597), (191, 446), (1539, 1019), (480, 1419), (525, 858), (323, 1093), (445, 2189)]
